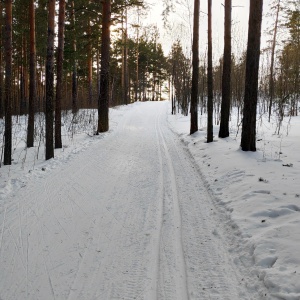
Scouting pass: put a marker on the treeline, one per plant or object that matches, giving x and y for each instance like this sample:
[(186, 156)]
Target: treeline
[(136, 60), (79, 60), (279, 83), (63, 55)]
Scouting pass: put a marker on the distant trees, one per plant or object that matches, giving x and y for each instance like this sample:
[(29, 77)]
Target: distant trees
[(147, 68), (271, 78), (180, 79)]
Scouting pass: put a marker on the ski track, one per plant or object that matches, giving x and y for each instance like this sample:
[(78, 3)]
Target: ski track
[(129, 218)]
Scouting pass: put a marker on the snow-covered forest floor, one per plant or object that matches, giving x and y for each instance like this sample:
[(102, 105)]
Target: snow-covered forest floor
[(227, 230)]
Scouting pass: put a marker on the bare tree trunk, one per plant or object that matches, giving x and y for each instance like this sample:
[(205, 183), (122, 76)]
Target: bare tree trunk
[(50, 80), (124, 60), (195, 75), (1, 62), (271, 79), (226, 77), (32, 71), (8, 81), (90, 66), (59, 84), (248, 141), (98, 73), (103, 102), (137, 57), (209, 78), (74, 74), (23, 78)]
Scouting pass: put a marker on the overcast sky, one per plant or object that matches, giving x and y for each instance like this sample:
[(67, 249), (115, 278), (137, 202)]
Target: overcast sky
[(181, 20)]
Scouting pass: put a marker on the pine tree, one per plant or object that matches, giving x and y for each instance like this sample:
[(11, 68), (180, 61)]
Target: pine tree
[(50, 81), (209, 78), (8, 81), (248, 141), (226, 77), (32, 74), (195, 74), (103, 102), (59, 83)]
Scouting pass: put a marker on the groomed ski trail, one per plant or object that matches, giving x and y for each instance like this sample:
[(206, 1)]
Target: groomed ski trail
[(128, 218)]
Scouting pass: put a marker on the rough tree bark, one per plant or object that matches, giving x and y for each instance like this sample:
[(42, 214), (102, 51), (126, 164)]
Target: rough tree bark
[(8, 80), (90, 65), (59, 83), (248, 141), (1, 62), (103, 101), (226, 77), (50, 81), (74, 73), (195, 74), (32, 75), (209, 78)]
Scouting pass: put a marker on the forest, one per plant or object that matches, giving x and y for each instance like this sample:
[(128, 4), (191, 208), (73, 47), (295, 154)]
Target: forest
[(67, 55)]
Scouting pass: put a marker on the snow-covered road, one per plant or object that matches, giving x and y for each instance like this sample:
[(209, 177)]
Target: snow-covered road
[(128, 218)]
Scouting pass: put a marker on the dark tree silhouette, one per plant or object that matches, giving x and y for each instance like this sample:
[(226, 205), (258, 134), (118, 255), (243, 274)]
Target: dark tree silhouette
[(195, 74), (8, 80), (209, 77), (59, 84), (50, 80), (74, 73), (248, 141), (32, 75), (103, 102), (226, 77)]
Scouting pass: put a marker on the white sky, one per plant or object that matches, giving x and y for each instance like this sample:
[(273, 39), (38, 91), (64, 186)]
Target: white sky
[(240, 14)]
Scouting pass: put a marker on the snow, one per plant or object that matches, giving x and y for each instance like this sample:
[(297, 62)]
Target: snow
[(259, 193), (147, 211)]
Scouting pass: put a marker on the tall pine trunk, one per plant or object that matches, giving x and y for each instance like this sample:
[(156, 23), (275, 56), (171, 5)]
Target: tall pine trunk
[(74, 73), (248, 141), (209, 78), (195, 74), (226, 77), (1, 62), (8, 83), (90, 65), (103, 101), (59, 83), (271, 78), (32, 75), (50, 81)]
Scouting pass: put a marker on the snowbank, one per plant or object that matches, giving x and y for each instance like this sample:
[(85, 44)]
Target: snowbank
[(259, 192), (29, 163)]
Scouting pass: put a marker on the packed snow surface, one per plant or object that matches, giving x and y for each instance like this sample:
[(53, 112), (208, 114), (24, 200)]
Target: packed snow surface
[(147, 211)]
